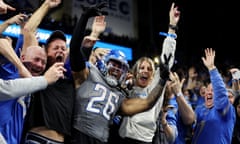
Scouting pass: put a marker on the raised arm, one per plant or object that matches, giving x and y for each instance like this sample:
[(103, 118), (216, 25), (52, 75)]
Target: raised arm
[(31, 26), (7, 50), (5, 7), (169, 43), (186, 112), (209, 58), (98, 26), (221, 101), (17, 19), (77, 55), (174, 17)]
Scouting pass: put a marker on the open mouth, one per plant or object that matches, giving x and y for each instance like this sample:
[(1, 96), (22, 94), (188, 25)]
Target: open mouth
[(59, 58), (209, 98), (143, 78), (114, 74)]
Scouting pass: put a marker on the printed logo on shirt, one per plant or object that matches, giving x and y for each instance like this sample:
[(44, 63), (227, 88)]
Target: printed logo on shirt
[(2, 139)]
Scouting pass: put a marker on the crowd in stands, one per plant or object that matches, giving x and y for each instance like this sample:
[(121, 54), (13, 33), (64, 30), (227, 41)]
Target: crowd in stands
[(83, 94)]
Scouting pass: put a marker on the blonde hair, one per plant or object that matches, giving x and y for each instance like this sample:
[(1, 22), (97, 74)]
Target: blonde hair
[(136, 66)]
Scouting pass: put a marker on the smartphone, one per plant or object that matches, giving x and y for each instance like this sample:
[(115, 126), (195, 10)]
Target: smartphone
[(236, 75), (28, 16)]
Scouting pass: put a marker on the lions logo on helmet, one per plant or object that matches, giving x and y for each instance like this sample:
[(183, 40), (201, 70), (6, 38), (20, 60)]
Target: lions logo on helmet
[(114, 67)]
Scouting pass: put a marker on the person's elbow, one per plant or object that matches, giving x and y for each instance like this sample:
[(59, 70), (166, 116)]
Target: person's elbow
[(190, 119)]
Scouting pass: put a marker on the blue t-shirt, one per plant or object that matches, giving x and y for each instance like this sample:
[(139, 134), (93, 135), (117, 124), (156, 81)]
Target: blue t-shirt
[(12, 111)]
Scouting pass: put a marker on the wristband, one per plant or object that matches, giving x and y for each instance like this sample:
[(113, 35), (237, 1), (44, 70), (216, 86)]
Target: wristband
[(173, 27), (179, 94), (168, 35)]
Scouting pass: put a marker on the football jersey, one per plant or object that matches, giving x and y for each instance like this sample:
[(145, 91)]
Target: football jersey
[(95, 106)]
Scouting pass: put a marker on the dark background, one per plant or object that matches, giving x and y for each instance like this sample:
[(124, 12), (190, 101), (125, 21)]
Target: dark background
[(203, 23)]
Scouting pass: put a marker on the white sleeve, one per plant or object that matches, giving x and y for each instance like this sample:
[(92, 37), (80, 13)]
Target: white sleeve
[(169, 47), (10, 89)]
